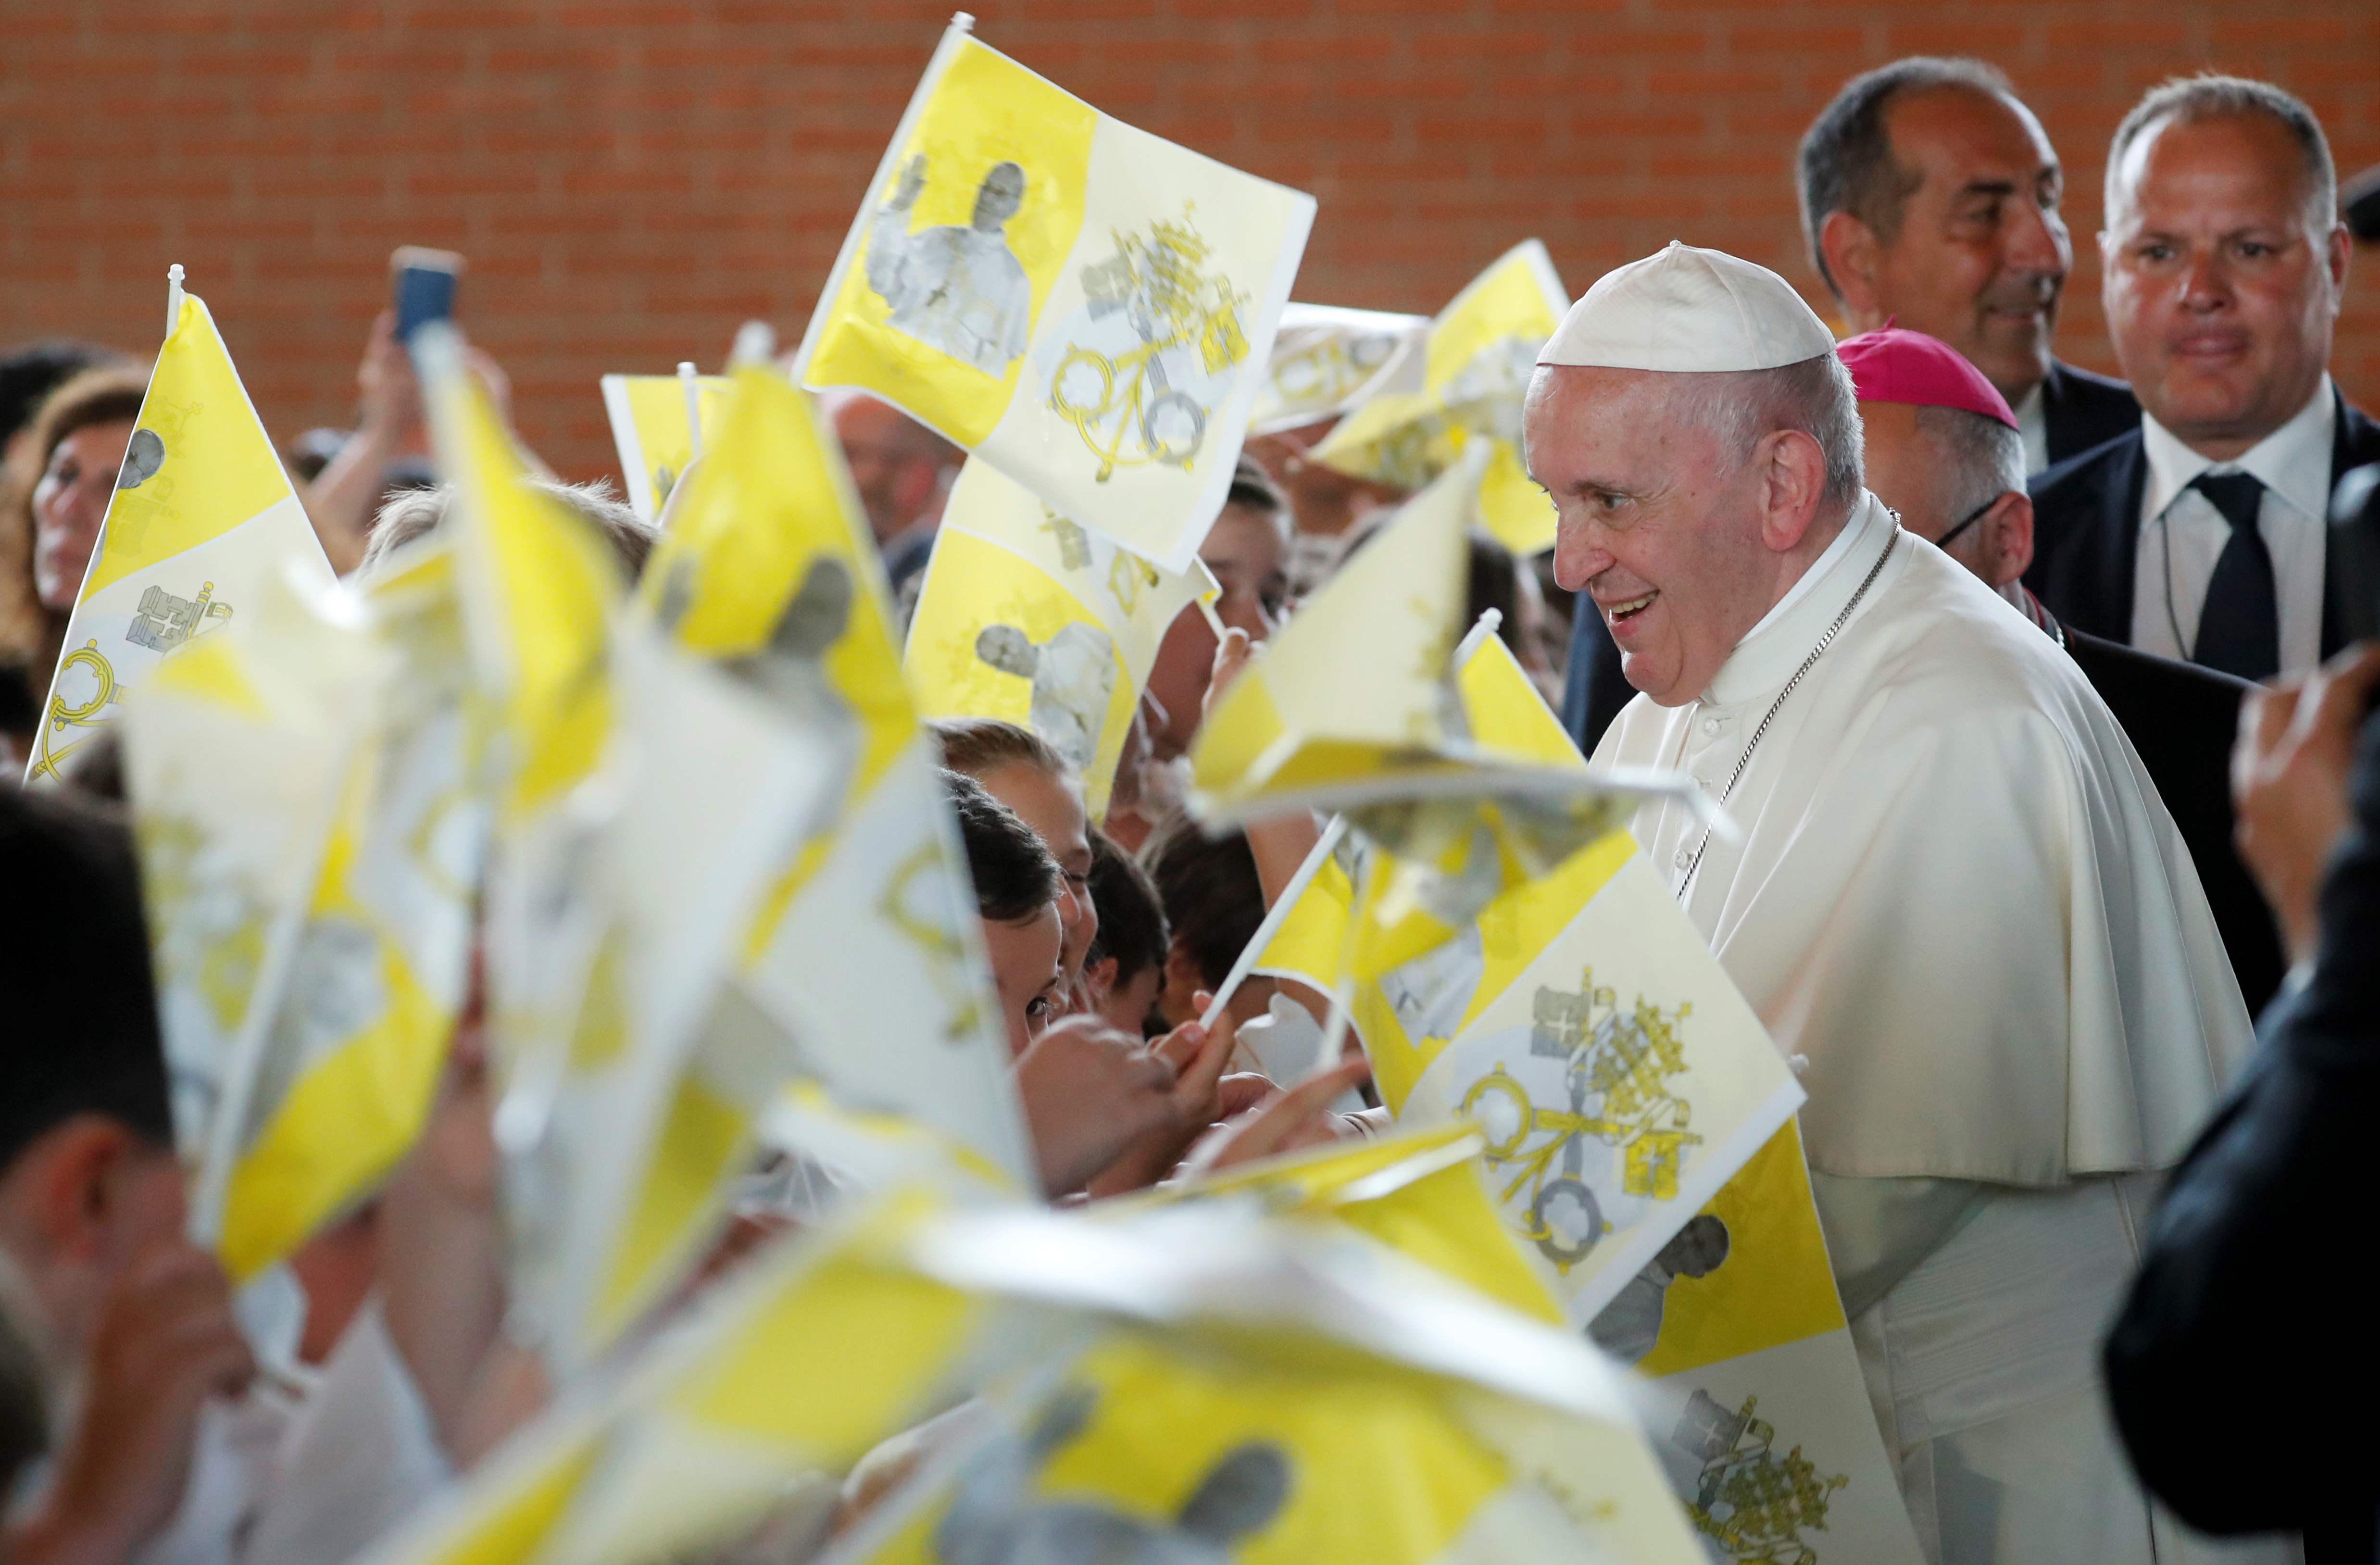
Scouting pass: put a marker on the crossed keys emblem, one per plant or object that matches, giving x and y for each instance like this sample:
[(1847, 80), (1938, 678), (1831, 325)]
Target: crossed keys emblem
[(1750, 1502), (1619, 1059), (1125, 406)]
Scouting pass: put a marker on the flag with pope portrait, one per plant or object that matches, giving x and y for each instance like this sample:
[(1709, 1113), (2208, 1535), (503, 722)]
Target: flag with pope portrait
[(1082, 305), (1027, 617)]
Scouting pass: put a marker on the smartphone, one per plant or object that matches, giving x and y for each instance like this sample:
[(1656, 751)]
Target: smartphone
[(424, 287)]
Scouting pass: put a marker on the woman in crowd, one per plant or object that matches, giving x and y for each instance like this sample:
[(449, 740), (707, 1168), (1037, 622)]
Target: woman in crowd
[(1018, 768), (52, 504)]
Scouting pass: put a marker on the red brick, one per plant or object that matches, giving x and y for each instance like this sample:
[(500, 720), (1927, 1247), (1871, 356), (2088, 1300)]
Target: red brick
[(631, 177)]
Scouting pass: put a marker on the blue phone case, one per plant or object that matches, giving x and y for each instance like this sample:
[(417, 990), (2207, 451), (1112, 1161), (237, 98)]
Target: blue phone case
[(423, 294)]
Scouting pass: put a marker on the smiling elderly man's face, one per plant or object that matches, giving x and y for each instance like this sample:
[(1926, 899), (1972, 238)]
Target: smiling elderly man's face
[(1659, 522)]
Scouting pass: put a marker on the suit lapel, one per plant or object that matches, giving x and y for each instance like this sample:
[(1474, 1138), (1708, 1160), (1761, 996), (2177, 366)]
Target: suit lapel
[(2125, 477)]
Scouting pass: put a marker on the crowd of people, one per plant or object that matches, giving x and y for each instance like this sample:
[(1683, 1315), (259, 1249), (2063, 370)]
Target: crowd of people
[(2035, 692)]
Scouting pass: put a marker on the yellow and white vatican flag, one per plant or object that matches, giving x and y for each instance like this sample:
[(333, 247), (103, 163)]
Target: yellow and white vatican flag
[(1027, 617), (659, 424), (1575, 1017), (1756, 1402), (863, 956), (1085, 307), (778, 1382), (344, 1073), (1419, 1191), (1481, 351), (538, 592), (1337, 920), (1354, 703), (242, 764), (1356, 706), (1327, 361), (202, 518), (1297, 1392), (1618, 1078), (651, 1118), (643, 798)]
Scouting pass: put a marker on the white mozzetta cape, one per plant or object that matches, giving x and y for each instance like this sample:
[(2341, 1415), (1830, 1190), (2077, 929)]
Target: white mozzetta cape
[(1957, 893)]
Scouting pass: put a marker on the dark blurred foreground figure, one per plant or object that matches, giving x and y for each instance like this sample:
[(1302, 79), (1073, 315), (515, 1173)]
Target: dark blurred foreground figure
[(99, 1280), (2243, 1363)]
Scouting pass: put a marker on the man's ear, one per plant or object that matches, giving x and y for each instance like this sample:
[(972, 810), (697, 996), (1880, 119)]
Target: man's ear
[(1852, 257), (2007, 536), (72, 1175), (1099, 978), (1792, 470)]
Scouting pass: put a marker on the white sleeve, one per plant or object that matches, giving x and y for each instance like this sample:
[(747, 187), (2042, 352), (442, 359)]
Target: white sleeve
[(361, 1457)]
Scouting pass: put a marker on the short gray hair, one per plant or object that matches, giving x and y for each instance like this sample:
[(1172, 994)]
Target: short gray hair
[(1981, 459), (1814, 397), (1846, 161), (417, 513), (2191, 100)]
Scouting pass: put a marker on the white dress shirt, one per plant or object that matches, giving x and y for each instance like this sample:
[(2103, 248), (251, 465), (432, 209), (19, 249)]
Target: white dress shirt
[(2032, 423), (2183, 533)]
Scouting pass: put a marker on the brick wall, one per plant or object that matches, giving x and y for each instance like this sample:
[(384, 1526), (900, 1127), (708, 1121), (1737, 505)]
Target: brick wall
[(632, 177)]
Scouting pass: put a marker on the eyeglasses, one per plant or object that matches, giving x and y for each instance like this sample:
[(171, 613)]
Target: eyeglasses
[(1971, 520)]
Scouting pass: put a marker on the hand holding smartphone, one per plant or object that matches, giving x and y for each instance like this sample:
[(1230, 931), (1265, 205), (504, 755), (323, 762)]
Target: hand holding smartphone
[(424, 287)]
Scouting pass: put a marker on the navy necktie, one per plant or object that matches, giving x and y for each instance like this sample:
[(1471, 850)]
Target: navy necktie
[(2240, 625)]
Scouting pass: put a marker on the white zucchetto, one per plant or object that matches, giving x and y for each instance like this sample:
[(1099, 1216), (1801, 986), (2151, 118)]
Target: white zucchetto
[(1691, 311)]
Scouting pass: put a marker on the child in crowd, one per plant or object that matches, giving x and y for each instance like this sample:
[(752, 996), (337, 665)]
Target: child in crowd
[(1127, 966)]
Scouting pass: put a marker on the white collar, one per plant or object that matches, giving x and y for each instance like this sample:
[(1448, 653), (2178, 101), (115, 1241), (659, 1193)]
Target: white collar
[(2293, 461), (2028, 409), (1772, 649)]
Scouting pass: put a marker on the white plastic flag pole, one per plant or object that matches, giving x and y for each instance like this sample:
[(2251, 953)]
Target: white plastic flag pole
[(1342, 1015), (1275, 916), (1342, 996), (755, 344), (693, 385), (173, 297), (1214, 620), (1488, 623)]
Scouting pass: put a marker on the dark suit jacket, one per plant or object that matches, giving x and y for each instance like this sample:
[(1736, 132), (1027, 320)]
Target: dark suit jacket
[(2079, 411), (2244, 1365), (2182, 719), (2086, 531)]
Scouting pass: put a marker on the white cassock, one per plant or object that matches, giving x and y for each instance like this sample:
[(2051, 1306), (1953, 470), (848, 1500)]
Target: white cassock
[(1961, 899)]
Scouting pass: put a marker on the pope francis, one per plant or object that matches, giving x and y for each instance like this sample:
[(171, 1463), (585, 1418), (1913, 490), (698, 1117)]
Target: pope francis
[(1955, 894)]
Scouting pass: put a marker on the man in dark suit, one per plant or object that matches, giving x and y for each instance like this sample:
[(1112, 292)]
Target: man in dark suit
[(1929, 196), (1944, 451), (2202, 532), (2243, 1369)]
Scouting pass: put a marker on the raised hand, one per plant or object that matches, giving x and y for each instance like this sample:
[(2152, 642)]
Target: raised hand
[(165, 1342), (2288, 778)]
